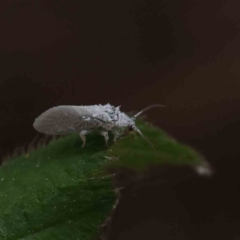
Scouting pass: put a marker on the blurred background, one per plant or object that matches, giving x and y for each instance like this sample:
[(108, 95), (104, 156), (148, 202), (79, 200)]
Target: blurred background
[(184, 54)]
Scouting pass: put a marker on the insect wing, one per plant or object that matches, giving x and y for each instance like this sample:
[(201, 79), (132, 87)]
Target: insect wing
[(64, 120)]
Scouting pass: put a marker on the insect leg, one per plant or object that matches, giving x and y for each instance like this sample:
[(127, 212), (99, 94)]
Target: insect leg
[(116, 134), (83, 137), (105, 135)]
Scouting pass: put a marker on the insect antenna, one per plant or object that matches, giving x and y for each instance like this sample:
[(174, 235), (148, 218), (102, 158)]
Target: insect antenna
[(147, 108), (144, 137)]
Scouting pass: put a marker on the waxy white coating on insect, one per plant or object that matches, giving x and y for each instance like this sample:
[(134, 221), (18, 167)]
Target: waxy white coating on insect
[(67, 119)]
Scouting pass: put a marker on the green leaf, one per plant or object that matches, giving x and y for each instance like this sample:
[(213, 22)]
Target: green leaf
[(65, 192), (135, 153)]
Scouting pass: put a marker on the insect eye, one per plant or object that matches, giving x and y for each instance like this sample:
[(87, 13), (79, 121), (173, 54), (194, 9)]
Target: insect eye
[(130, 128)]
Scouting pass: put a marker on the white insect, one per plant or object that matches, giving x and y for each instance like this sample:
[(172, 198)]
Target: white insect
[(67, 119)]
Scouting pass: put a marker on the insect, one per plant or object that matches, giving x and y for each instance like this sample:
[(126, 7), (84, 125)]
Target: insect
[(67, 119)]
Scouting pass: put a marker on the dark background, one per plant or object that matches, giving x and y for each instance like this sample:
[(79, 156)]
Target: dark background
[(184, 54)]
